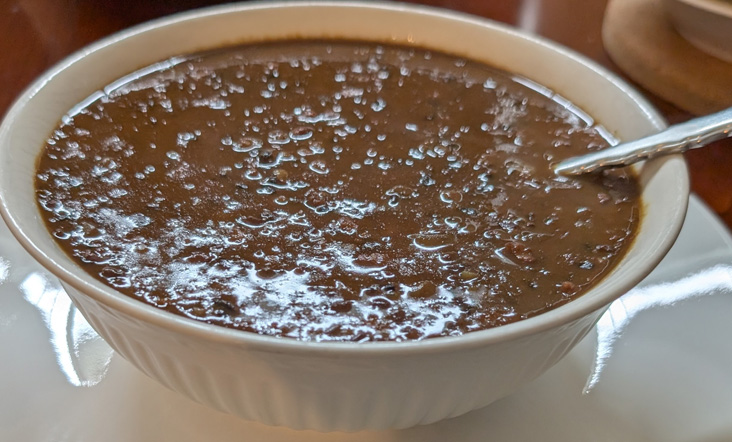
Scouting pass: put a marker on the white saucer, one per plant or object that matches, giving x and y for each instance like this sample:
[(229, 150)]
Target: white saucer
[(658, 367)]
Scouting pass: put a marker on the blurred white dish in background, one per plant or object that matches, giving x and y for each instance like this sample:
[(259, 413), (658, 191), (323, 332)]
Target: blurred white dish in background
[(707, 24)]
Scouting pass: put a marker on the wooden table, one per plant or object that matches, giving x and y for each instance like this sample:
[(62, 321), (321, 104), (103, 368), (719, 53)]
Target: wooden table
[(35, 34)]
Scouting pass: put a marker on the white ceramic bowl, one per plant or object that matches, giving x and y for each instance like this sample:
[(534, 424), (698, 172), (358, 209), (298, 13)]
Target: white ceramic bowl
[(707, 24), (335, 386)]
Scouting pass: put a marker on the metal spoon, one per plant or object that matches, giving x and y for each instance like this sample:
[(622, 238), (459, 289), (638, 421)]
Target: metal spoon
[(676, 139)]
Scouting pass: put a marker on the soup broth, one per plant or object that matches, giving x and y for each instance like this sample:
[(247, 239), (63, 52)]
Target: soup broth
[(335, 190)]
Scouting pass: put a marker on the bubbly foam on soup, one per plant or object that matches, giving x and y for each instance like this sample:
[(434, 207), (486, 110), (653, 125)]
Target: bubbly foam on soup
[(326, 190)]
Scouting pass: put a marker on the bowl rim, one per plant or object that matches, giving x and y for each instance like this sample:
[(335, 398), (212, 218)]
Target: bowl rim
[(105, 295)]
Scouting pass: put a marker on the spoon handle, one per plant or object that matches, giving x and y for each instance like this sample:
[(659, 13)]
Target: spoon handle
[(678, 138)]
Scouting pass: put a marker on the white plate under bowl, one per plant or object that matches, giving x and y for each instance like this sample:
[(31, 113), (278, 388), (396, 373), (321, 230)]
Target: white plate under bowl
[(656, 368)]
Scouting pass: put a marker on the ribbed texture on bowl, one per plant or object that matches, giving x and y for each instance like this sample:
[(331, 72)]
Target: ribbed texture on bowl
[(308, 392)]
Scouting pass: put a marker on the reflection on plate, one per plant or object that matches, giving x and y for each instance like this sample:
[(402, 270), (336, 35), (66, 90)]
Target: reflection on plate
[(657, 367)]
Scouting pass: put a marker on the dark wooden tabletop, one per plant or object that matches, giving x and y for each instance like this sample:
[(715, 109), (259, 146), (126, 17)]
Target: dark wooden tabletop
[(35, 34)]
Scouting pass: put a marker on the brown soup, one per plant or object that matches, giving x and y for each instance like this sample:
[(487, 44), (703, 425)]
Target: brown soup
[(330, 190)]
